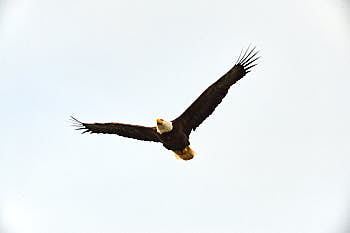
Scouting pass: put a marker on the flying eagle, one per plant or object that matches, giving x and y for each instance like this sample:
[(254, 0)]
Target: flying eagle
[(174, 135)]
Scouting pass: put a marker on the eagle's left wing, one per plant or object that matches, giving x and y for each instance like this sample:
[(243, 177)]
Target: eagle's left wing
[(131, 131), (206, 103)]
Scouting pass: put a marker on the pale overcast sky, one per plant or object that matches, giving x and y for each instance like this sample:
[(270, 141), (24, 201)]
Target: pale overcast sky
[(273, 158)]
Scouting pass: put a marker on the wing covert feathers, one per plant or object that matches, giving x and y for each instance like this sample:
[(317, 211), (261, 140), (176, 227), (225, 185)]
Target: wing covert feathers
[(206, 103), (131, 131)]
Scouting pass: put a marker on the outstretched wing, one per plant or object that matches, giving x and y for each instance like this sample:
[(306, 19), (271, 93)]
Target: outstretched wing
[(125, 130), (206, 103)]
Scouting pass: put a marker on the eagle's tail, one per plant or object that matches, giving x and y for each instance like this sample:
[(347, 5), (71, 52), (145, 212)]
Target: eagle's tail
[(186, 154)]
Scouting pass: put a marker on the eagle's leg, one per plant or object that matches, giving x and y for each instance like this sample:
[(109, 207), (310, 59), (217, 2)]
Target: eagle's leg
[(186, 154)]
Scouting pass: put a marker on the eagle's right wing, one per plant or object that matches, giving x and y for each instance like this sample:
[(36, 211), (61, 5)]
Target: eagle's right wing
[(125, 130)]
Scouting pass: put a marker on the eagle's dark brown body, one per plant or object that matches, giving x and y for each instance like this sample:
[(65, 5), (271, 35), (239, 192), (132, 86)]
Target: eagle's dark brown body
[(177, 139)]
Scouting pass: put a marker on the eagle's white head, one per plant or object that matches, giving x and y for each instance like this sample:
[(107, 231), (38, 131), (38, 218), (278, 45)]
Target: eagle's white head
[(164, 126)]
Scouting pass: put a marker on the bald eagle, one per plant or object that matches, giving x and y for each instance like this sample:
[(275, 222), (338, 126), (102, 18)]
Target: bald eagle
[(174, 135)]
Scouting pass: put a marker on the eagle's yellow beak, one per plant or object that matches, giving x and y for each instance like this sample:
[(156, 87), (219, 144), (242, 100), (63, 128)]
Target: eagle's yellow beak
[(159, 121)]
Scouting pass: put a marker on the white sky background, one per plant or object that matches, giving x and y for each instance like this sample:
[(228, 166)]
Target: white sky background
[(274, 157)]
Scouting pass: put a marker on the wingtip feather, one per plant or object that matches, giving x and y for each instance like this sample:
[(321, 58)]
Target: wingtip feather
[(78, 124), (248, 59)]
